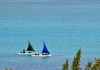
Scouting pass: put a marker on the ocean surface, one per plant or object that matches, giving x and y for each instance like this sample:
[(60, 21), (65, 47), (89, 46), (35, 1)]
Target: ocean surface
[(64, 27)]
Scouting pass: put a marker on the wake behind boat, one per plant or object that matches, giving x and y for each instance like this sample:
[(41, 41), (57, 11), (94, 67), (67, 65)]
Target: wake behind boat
[(30, 50), (45, 52)]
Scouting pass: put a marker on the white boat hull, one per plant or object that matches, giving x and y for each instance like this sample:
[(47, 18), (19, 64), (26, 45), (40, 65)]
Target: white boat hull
[(26, 53), (41, 55), (44, 55), (34, 55)]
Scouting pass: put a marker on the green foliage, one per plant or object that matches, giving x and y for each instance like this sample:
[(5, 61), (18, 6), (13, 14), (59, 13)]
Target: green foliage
[(89, 65), (76, 62), (65, 65), (95, 67), (97, 61), (6, 69)]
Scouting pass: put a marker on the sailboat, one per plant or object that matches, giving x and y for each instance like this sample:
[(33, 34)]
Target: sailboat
[(45, 52), (30, 50)]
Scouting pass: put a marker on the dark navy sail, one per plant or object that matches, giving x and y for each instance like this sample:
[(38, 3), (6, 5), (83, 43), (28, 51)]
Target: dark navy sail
[(45, 50), (30, 48)]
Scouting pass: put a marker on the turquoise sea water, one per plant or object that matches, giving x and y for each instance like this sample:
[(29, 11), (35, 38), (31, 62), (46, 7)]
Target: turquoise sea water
[(65, 28)]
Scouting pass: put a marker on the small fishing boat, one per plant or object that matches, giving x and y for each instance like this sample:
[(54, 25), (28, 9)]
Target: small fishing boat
[(30, 50)]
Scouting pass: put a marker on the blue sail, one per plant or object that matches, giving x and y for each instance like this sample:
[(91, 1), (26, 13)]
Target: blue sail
[(45, 50)]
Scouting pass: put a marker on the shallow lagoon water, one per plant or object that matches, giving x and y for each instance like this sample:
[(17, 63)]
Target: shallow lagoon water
[(64, 29)]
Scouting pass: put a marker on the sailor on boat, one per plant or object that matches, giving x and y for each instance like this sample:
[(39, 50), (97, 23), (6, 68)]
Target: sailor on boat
[(23, 50), (45, 51), (30, 50)]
